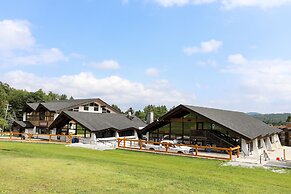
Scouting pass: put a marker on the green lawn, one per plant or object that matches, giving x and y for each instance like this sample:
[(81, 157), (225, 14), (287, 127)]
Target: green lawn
[(49, 168)]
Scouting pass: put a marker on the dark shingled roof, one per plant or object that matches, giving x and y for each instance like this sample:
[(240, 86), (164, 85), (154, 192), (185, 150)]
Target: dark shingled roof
[(236, 121), (23, 124), (61, 105), (33, 106), (100, 121), (64, 104)]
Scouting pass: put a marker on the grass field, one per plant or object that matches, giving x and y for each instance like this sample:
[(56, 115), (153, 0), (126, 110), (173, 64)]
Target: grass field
[(48, 168)]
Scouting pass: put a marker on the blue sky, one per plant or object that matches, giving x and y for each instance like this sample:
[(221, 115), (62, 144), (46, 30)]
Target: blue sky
[(231, 54)]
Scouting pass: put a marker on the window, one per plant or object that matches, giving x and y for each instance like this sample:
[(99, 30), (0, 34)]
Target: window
[(76, 109), (49, 116), (41, 115), (86, 107), (96, 107), (260, 145), (126, 133)]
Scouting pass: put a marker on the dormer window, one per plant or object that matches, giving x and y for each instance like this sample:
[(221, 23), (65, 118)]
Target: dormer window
[(104, 110)]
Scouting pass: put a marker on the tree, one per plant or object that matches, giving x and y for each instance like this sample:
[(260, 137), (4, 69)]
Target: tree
[(288, 119), (116, 107), (3, 124), (63, 97), (157, 110)]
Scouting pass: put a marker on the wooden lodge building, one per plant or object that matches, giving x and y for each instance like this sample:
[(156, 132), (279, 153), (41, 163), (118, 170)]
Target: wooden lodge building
[(95, 126), (208, 126), (285, 135), (80, 116)]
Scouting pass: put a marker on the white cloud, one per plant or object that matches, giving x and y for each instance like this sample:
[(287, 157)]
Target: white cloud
[(106, 64), (264, 82), (15, 34), (205, 47), (113, 89), (152, 72), (226, 4), (230, 4), (169, 3), (237, 59), (18, 46), (208, 63), (124, 2)]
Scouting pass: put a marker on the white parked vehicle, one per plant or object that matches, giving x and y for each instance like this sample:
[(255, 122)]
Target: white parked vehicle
[(171, 147)]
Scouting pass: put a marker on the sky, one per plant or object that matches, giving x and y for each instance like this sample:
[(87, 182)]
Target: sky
[(228, 54)]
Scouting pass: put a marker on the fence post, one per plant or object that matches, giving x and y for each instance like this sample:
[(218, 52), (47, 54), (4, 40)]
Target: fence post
[(71, 139), (196, 150), (140, 145), (50, 139), (167, 146), (118, 142), (230, 153), (10, 135), (124, 142), (29, 136), (284, 154)]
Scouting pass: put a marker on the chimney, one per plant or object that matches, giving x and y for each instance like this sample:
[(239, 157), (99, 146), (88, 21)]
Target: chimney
[(150, 117)]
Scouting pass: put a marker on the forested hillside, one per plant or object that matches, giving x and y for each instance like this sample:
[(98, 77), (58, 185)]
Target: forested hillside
[(274, 119), (13, 100)]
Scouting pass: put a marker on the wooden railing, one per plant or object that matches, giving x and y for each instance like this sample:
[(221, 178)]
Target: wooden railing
[(41, 138), (199, 151)]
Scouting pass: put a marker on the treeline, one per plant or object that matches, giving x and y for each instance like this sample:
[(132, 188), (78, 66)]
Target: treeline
[(273, 119), (142, 114), (13, 100)]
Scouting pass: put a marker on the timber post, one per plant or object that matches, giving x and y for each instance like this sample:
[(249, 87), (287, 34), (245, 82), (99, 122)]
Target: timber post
[(230, 153), (50, 138), (10, 135), (140, 145), (124, 142), (196, 150), (118, 142), (71, 139)]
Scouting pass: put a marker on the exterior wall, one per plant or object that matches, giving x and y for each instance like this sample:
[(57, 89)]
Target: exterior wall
[(24, 116), (268, 143), (30, 130), (244, 147), (116, 134), (55, 116)]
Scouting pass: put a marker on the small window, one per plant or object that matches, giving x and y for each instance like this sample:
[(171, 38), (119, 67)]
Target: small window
[(96, 108), (86, 108), (260, 143)]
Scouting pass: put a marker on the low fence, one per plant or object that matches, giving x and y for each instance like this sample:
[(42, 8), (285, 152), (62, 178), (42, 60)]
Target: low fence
[(41, 138), (181, 149)]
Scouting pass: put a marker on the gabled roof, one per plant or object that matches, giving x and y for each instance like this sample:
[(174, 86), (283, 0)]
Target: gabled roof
[(60, 105), (98, 121), (238, 122), (29, 107), (23, 124)]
